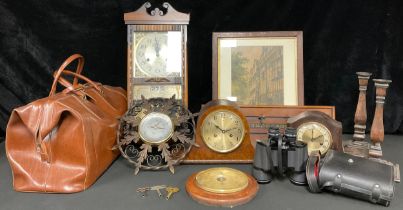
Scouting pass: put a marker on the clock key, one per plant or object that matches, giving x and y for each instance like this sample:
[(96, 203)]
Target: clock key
[(158, 188), (143, 191), (170, 191)]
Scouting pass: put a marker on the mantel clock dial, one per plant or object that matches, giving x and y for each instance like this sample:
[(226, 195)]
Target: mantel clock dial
[(156, 50), (222, 131), (319, 131), (222, 134), (316, 136)]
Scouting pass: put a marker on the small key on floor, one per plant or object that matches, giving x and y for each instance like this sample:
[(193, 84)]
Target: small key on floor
[(143, 191), (158, 188), (170, 191)]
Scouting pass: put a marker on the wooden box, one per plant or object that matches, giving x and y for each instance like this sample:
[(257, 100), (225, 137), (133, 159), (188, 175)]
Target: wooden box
[(260, 118)]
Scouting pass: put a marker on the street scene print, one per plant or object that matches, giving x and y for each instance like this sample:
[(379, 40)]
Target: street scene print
[(257, 75)]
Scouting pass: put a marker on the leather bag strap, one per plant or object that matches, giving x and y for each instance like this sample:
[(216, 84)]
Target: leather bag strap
[(312, 172), (62, 68)]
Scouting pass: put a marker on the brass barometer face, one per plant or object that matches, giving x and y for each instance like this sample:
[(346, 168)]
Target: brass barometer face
[(222, 131), (222, 180), (316, 136)]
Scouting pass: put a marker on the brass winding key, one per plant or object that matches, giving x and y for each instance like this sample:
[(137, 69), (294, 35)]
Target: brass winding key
[(143, 191), (158, 188), (170, 191)]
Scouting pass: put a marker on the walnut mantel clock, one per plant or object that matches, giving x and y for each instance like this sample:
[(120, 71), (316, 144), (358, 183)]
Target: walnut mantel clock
[(319, 131), (222, 134), (156, 50)]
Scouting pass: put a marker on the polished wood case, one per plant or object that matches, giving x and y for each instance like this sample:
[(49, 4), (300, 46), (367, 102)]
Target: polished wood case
[(260, 118), (147, 19), (202, 154), (334, 126)]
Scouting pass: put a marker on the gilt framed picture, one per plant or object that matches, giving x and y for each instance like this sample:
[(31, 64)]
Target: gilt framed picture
[(258, 68)]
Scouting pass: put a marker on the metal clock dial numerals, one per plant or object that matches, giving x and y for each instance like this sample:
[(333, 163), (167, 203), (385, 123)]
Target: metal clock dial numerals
[(222, 131), (316, 136), (151, 54)]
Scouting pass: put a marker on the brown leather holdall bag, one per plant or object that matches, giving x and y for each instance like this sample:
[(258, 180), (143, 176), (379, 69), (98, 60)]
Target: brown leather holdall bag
[(63, 143)]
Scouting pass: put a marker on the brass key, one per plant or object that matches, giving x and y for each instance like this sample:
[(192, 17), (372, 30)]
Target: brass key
[(143, 191), (158, 188), (170, 191)]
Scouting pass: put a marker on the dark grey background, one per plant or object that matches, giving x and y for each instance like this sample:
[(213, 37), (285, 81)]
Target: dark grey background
[(116, 190)]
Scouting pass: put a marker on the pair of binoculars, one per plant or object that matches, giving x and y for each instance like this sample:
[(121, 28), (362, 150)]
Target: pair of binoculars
[(280, 154)]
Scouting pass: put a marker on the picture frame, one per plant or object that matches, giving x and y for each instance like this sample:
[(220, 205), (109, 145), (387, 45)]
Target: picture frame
[(258, 68)]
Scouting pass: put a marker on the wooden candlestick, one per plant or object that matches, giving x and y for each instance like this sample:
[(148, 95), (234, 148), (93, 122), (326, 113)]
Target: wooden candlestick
[(360, 117), (358, 146), (377, 129)]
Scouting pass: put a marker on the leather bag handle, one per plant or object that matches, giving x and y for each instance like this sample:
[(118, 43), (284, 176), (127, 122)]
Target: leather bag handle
[(62, 68), (70, 88)]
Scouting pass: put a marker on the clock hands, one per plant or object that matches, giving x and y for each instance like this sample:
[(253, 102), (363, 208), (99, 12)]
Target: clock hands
[(157, 47), (155, 126), (312, 135), (219, 128), (230, 129), (224, 130), (317, 137)]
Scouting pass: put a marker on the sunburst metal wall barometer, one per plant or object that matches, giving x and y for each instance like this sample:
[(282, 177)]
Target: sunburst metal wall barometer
[(156, 62)]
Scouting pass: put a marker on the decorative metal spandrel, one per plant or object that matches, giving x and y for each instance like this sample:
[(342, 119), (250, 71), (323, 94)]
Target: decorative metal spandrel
[(131, 136), (155, 156)]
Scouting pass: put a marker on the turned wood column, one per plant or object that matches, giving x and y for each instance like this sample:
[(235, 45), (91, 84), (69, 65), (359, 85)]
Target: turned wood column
[(377, 128), (360, 118)]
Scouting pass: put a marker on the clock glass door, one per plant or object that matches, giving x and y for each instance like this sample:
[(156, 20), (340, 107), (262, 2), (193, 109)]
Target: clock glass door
[(156, 61), (157, 54)]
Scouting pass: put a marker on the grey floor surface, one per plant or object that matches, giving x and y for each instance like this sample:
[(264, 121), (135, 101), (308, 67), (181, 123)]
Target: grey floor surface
[(116, 189)]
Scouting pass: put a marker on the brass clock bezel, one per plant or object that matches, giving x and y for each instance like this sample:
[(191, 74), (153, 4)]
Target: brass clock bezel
[(319, 125), (206, 141), (161, 141)]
